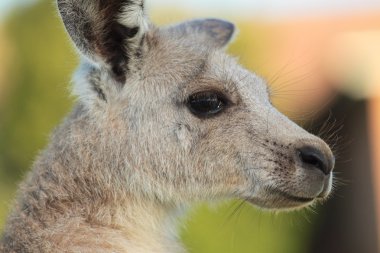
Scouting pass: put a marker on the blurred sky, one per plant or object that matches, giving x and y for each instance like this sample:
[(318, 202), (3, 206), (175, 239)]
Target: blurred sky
[(273, 8), (8, 5), (248, 8)]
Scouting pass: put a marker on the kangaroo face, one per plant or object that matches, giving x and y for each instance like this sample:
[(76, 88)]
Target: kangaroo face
[(195, 124)]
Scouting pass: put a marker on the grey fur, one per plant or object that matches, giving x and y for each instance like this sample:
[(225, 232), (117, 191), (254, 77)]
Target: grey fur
[(131, 156)]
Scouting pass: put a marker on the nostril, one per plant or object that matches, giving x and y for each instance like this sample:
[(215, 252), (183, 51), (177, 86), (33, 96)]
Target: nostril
[(313, 157)]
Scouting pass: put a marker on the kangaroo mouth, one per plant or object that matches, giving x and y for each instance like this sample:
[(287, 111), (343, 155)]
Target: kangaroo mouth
[(289, 196), (279, 199)]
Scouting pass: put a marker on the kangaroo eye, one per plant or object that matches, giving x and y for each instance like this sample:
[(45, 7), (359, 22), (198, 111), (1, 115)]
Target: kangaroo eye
[(207, 103)]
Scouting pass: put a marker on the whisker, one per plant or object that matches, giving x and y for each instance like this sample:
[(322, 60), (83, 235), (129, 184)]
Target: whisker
[(235, 210)]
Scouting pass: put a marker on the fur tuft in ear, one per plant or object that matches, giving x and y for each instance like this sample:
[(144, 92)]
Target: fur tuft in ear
[(211, 32), (106, 32)]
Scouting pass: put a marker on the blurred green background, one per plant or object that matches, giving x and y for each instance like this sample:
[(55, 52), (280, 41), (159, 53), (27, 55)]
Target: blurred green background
[(36, 63)]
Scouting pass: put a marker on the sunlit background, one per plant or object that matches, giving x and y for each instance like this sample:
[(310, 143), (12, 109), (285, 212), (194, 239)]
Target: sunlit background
[(322, 60)]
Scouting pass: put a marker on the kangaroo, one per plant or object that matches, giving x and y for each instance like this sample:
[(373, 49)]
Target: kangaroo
[(164, 119)]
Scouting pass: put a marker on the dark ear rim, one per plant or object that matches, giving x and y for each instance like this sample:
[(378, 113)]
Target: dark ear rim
[(105, 32), (222, 31), (213, 32)]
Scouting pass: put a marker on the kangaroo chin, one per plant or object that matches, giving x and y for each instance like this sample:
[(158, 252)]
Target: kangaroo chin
[(164, 118)]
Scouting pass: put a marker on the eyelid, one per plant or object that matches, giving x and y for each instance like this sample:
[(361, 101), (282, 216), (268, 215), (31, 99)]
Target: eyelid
[(220, 94)]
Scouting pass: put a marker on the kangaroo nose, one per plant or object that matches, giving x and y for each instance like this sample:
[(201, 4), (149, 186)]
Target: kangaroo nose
[(312, 157)]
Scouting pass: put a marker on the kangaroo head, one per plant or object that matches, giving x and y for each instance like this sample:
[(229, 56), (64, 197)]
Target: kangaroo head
[(181, 120)]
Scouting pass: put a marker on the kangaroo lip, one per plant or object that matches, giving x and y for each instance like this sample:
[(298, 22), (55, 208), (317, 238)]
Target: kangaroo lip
[(290, 196)]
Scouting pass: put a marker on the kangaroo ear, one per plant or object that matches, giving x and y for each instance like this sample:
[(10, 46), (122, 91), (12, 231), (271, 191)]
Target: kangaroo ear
[(107, 32), (211, 32)]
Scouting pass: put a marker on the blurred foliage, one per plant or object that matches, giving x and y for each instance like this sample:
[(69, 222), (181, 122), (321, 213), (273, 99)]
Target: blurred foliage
[(39, 99), (38, 96)]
